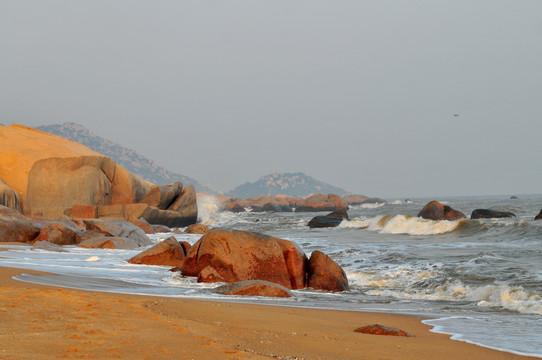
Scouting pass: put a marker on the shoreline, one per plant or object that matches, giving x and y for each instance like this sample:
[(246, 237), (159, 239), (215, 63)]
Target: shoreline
[(91, 324)]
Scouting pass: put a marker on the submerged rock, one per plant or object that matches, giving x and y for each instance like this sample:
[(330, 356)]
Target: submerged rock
[(254, 288), (539, 216), (330, 220)]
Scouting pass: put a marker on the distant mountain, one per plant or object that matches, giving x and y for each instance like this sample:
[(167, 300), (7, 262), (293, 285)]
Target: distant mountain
[(293, 184), (130, 159)]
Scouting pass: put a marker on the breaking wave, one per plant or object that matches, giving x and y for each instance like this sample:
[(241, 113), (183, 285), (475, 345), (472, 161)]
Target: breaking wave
[(402, 224)]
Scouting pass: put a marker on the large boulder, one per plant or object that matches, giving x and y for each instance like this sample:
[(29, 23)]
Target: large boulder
[(325, 274), (58, 233), (163, 196), (15, 227), (119, 228), (435, 210), (9, 197), (254, 288), (167, 253), (186, 205), (233, 256), (170, 218), (490, 214), (330, 220), (321, 202)]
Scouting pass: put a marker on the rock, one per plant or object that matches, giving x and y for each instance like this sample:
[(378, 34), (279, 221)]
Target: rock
[(196, 229), (169, 218), (58, 233), (378, 329), (108, 242), (254, 288), (325, 274), (539, 216), (163, 196), (9, 197), (143, 225), (330, 220), (186, 205), (49, 246), (321, 202), (374, 200), (15, 227), (119, 228), (435, 210), (354, 199), (513, 197), (86, 235), (168, 253), (234, 256), (490, 214), (84, 211), (161, 229)]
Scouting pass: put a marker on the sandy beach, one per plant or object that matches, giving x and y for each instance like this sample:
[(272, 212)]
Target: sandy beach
[(56, 323)]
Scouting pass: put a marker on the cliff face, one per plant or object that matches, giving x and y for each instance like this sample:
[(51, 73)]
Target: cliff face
[(129, 159), (292, 184)]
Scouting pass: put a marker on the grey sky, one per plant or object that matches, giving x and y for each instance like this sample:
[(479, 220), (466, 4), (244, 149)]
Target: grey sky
[(360, 94)]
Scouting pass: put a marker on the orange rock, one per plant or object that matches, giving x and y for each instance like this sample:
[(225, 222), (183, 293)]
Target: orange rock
[(254, 288), (84, 211), (16, 227), (325, 274), (196, 229), (58, 233), (168, 252), (435, 210), (377, 329)]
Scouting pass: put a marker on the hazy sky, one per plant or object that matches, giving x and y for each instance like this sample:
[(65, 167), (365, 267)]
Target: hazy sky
[(359, 94)]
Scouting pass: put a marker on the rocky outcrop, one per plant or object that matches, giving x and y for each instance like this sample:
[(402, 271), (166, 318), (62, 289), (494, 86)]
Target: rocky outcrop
[(53, 177), (14, 227), (435, 210), (330, 220), (490, 214), (233, 256), (166, 253), (321, 202), (377, 329), (254, 288), (325, 274), (9, 197), (539, 216)]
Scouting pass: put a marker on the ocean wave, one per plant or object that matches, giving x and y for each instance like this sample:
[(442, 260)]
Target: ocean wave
[(402, 224), (419, 284), (209, 212)]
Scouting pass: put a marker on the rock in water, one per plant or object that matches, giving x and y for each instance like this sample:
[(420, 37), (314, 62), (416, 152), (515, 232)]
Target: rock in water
[(15, 227), (330, 220), (539, 216), (490, 214), (167, 253), (325, 274), (254, 288), (435, 210)]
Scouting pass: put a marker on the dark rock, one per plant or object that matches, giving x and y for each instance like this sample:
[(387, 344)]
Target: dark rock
[(161, 228), (254, 288), (513, 197), (435, 210), (490, 214), (170, 218), (163, 196), (374, 200), (378, 329), (330, 220), (186, 205), (325, 274), (539, 216)]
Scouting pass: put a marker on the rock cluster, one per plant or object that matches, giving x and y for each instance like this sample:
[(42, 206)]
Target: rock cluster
[(48, 177)]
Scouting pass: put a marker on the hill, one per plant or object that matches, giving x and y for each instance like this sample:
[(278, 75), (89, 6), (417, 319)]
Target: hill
[(128, 158), (293, 184)]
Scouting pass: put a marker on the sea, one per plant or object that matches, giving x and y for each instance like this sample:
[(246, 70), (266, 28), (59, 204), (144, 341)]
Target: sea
[(478, 280)]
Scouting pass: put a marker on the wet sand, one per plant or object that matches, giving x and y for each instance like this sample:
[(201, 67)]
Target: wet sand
[(45, 322)]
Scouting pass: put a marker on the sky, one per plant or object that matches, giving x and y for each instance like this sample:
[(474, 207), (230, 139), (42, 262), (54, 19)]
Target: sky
[(384, 98)]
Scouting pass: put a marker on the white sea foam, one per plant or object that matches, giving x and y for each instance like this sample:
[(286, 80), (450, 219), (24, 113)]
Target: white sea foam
[(209, 212), (402, 224)]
